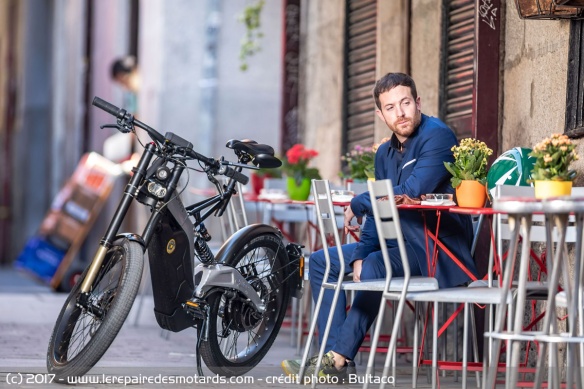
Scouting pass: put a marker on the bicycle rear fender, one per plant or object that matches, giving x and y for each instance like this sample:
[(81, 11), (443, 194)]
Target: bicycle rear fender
[(233, 244)]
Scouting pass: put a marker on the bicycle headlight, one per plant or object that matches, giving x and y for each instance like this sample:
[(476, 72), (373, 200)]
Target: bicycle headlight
[(157, 190)]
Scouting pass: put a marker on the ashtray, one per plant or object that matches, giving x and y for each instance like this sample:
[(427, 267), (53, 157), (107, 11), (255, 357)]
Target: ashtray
[(439, 198), (342, 195)]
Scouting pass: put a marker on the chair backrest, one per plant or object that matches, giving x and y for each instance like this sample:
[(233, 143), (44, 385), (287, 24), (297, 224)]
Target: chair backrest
[(538, 232), (237, 205), (357, 187), (275, 183), (387, 222), (327, 222)]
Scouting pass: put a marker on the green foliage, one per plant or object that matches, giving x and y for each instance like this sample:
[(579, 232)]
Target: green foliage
[(553, 157), (250, 42), (360, 163), (470, 162)]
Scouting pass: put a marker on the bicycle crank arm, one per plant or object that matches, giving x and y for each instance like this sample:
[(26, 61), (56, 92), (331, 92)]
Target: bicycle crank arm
[(226, 277)]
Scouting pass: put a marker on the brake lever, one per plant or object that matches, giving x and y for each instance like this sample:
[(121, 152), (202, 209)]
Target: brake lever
[(123, 128), (110, 126)]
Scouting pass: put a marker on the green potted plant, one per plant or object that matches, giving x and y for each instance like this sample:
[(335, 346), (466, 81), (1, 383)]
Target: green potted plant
[(551, 172), (469, 172), (295, 167), (360, 163)]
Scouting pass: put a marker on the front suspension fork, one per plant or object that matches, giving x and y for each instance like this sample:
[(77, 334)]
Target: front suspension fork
[(119, 215)]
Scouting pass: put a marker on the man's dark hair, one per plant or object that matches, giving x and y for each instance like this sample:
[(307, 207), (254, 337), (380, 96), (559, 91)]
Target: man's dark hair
[(122, 66), (390, 81)]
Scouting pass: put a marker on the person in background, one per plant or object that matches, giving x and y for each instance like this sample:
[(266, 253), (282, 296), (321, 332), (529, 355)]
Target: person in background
[(124, 71), (413, 159)]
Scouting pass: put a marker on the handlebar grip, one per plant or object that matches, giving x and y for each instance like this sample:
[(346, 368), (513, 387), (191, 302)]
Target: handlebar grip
[(237, 176), (107, 107)]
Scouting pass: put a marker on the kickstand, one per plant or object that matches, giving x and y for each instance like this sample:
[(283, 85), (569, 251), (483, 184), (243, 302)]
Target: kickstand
[(200, 332)]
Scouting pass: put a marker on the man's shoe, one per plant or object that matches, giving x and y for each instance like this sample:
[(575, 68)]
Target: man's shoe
[(328, 373)]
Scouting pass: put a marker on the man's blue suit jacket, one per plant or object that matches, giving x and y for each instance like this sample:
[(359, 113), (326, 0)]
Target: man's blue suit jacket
[(420, 171)]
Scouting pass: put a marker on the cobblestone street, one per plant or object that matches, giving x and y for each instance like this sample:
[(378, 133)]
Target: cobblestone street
[(141, 349)]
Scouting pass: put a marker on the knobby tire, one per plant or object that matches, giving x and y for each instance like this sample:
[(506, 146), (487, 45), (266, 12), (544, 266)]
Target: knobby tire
[(80, 338), (238, 341)]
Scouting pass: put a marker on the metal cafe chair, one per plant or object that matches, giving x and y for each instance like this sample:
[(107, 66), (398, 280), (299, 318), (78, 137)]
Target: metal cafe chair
[(388, 226), (479, 293), (328, 226)]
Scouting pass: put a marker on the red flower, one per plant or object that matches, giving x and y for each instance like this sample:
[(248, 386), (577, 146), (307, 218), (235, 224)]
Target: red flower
[(296, 164)]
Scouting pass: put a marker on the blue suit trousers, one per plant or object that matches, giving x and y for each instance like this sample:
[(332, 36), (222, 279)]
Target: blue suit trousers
[(348, 329)]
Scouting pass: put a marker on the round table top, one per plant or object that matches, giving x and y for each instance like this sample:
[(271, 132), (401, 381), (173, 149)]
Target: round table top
[(564, 204), (517, 205)]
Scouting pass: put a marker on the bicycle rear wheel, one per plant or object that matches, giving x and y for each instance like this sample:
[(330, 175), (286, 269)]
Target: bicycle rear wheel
[(81, 336), (240, 336)]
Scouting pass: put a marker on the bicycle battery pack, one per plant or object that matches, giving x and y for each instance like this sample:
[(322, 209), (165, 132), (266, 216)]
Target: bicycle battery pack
[(171, 268)]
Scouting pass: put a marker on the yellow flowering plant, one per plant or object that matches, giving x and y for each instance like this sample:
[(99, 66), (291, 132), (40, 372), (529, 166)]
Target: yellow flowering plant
[(470, 162), (553, 157)]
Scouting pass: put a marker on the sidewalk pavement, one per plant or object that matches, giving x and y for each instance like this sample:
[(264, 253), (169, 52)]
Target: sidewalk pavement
[(28, 311)]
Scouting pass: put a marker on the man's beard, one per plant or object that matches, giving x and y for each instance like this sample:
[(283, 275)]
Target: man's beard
[(411, 125)]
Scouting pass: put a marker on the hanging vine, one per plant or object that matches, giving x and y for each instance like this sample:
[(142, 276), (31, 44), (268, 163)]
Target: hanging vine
[(250, 43)]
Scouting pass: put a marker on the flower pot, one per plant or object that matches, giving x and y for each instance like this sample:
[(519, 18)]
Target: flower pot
[(471, 194), (298, 192), (545, 189)]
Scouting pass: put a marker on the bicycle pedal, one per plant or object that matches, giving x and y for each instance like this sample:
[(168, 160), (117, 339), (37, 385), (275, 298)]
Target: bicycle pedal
[(196, 308)]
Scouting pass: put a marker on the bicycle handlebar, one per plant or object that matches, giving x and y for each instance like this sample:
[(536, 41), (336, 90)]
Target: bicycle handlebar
[(221, 169), (108, 107), (121, 114)]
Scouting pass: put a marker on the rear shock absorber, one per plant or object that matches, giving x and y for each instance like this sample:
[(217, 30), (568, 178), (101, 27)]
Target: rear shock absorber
[(202, 250)]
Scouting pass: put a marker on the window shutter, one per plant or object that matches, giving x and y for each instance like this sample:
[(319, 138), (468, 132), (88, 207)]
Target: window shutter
[(458, 72), (360, 47)]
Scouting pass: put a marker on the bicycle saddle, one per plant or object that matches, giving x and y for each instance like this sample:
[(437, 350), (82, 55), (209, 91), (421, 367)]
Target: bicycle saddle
[(250, 147)]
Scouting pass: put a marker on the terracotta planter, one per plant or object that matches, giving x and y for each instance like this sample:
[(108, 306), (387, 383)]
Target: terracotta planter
[(471, 194), (298, 192), (545, 189)]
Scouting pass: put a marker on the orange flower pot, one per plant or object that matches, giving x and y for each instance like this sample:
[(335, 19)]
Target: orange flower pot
[(471, 194), (545, 189)]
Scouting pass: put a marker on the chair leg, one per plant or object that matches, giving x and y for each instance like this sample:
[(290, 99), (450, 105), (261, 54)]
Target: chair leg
[(310, 335), (465, 346), (455, 351), (444, 338), (391, 349), (325, 334), (475, 343), (374, 341), (435, 348), (415, 347)]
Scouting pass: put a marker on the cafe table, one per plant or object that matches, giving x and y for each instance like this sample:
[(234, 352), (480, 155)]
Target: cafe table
[(519, 210), (432, 235)]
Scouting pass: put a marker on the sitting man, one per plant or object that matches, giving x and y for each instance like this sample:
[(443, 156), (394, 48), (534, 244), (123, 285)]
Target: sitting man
[(414, 161)]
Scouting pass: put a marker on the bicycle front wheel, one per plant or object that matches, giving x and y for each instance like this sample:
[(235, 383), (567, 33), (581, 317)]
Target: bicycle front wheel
[(240, 336), (82, 335)]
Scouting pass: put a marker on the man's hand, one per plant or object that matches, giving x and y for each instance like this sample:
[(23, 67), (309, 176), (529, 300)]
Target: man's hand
[(357, 266), (349, 215)]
